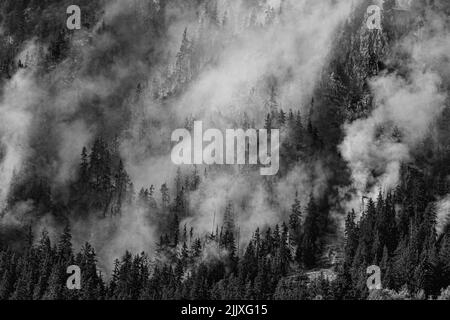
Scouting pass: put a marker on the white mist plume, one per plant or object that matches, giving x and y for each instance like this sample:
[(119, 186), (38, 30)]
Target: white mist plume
[(21, 94), (293, 49), (405, 110), (442, 214), (132, 231)]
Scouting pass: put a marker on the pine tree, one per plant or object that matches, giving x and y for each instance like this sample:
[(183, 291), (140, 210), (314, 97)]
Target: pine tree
[(84, 168), (165, 198), (310, 240), (282, 118), (197, 248), (284, 252), (182, 65), (55, 283), (121, 187), (45, 263), (92, 285), (175, 230), (65, 252), (229, 222), (298, 135), (272, 104), (295, 219), (351, 237), (261, 281), (9, 275), (268, 122), (184, 254)]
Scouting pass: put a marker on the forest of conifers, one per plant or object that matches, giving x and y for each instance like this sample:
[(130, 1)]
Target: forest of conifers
[(84, 113)]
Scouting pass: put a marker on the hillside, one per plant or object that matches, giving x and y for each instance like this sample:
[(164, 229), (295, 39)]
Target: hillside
[(87, 118)]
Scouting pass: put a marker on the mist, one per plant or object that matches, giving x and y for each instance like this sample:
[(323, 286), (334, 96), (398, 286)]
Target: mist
[(406, 107), (289, 41)]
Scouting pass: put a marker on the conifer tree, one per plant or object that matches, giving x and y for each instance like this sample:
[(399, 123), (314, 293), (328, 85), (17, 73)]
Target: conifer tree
[(310, 241)]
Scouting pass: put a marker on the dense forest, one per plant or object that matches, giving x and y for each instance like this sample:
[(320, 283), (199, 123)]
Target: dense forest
[(364, 155)]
